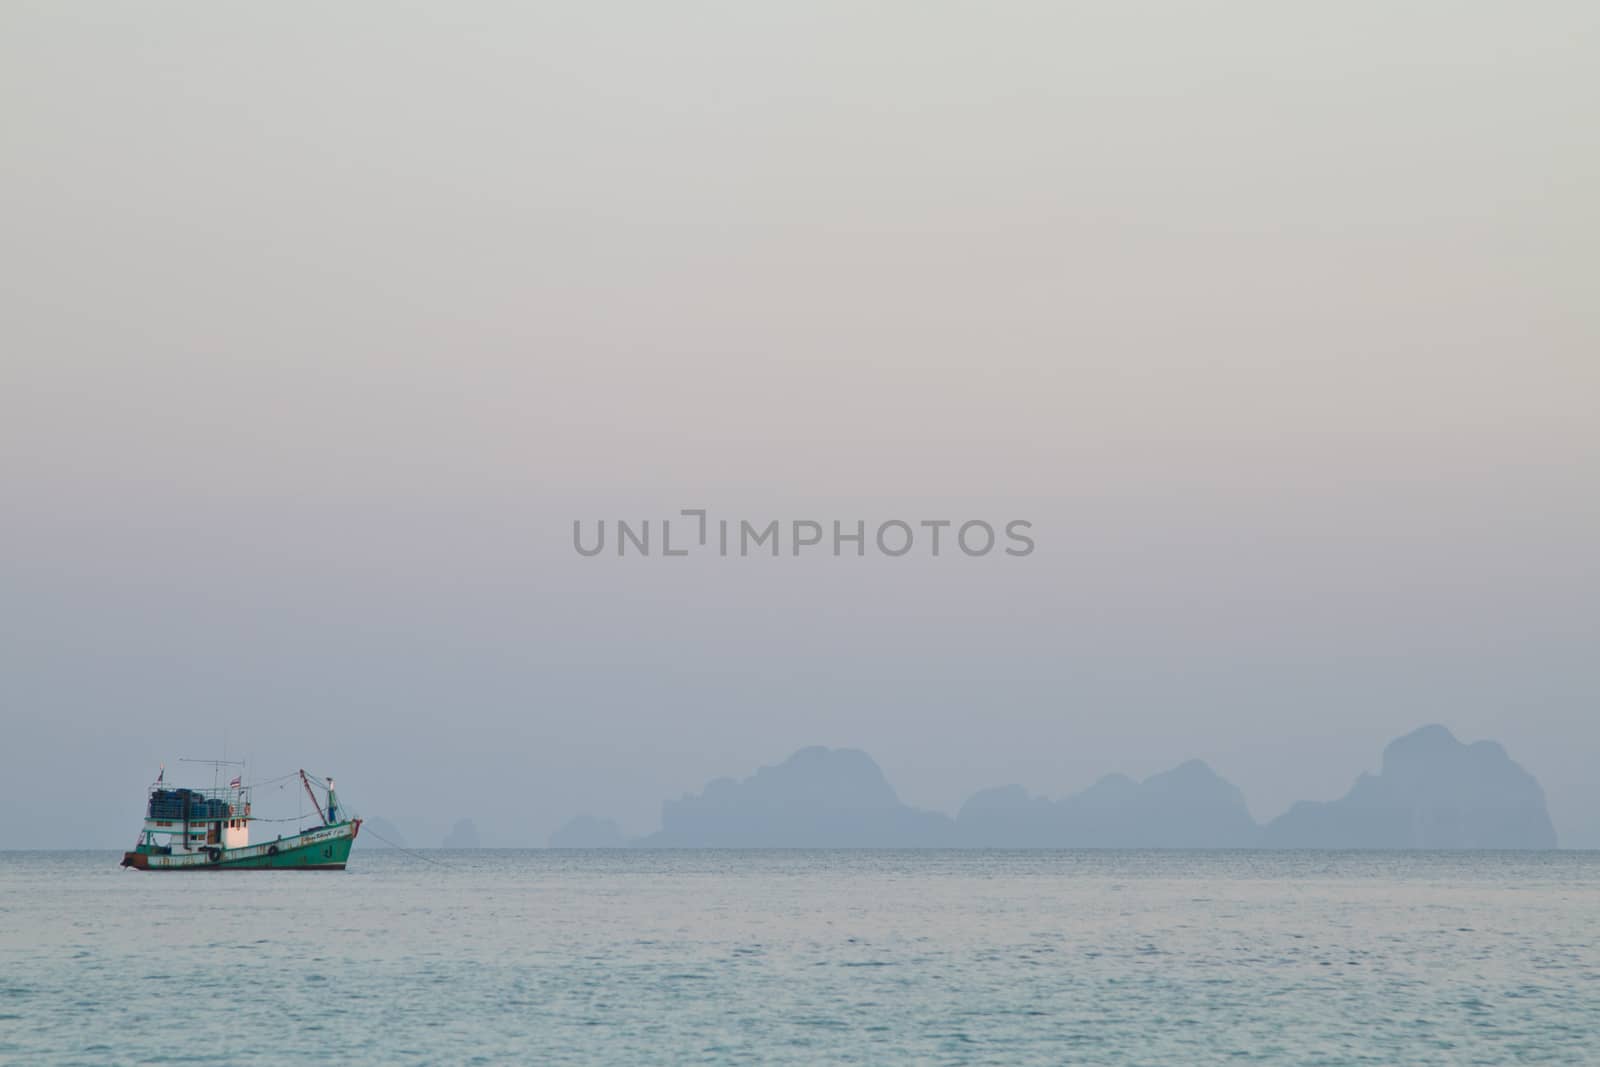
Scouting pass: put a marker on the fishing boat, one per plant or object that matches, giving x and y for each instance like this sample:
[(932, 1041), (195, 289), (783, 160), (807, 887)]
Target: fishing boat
[(209, 830)]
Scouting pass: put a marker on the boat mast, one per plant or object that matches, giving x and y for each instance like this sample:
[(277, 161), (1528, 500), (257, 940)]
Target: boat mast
[(307, 783)]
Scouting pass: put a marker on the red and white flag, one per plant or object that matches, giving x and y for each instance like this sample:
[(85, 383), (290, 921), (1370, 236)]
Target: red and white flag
[(236, 783)]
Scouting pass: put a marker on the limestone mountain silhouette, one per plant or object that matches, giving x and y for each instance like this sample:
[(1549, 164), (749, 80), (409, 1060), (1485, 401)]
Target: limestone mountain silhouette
[(817, 798), (1433, 791), (1190, 806)]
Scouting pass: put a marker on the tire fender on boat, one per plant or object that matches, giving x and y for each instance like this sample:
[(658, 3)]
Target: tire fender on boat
[(272, 850), (214, 854)]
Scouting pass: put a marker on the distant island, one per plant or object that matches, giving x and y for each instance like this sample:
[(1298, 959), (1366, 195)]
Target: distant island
[(1190, 806), (1432, 792), (817, 798)]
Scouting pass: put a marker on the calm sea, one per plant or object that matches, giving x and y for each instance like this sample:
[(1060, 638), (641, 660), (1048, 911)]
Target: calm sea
[(807, 957)]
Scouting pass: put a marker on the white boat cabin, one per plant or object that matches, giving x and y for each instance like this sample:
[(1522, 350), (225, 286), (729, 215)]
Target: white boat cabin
[(194, 820)]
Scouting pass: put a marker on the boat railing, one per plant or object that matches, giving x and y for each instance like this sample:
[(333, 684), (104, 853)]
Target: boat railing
[(198, 804), (225, 793)]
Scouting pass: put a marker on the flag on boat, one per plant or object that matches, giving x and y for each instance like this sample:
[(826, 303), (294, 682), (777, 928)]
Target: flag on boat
[(236, 783)]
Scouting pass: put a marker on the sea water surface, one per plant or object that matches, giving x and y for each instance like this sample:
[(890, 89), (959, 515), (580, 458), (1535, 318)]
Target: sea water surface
[(633, 957)]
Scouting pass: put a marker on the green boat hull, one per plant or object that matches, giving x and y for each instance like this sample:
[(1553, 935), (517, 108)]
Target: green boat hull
[(326, 848)]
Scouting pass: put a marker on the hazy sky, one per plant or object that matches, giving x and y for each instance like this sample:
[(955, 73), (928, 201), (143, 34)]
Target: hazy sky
[(319, 326)]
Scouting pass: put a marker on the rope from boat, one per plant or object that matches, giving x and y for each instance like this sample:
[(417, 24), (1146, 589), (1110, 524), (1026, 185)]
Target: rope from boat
[(366, 829)]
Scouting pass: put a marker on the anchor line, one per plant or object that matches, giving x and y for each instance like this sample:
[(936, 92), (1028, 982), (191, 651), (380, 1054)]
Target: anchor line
[(408, 851), (367, 829)]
